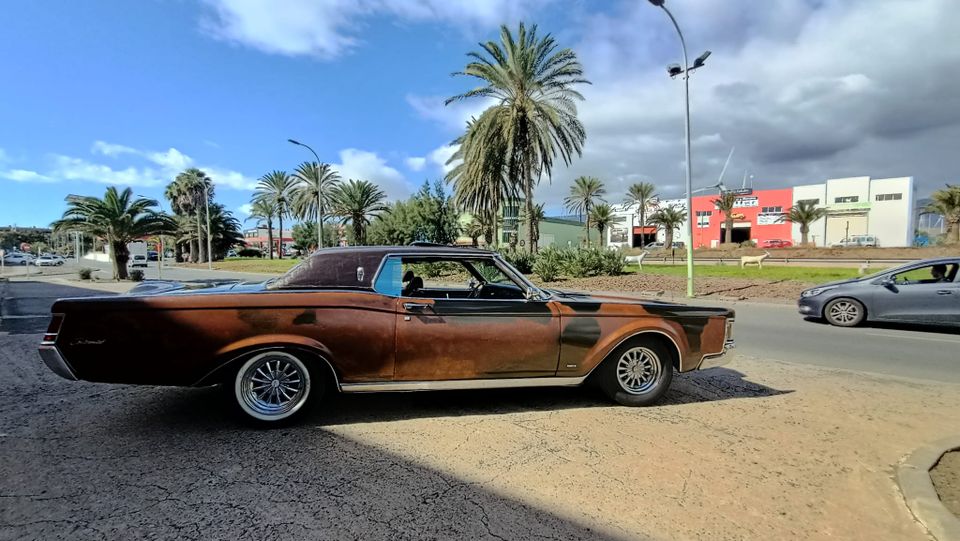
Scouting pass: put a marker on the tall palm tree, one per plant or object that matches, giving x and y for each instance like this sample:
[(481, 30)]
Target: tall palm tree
[(357, 201), (804, 213), (481, 184), (535, 114), (533, 220), (276, 188), (115, 218), (602, 217), (585, 192), (261, 209), (313, 195), (474, 230), (641, 194), (725, 204), (190, 192), (946, 202), (668, 218)]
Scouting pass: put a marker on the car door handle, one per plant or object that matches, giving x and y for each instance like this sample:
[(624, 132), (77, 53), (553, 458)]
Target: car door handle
[(944, 292), (416, 307)]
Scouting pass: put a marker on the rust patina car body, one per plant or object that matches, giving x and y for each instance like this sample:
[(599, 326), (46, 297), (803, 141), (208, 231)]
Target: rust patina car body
[(334, 312)]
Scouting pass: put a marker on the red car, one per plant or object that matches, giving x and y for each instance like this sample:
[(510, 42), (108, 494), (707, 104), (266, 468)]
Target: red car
[(776, 243)]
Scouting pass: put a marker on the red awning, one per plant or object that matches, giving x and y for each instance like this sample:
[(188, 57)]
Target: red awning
[(648, 230)]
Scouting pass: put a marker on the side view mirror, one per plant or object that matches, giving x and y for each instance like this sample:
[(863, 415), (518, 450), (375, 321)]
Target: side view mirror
[(532, 295), (888, 282)]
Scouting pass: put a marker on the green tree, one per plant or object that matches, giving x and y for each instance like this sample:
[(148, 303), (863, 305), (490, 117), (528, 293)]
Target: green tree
[(534, 116), (475, 229), (668, 218), (313, 194), (585, 192), (357, 201), (533, 220), (643, 195), (276, 188), (116, 218), (946, 202), (188, 193), (725, 203), (224, 231), (262, 211), (602, 216), (803, 213)]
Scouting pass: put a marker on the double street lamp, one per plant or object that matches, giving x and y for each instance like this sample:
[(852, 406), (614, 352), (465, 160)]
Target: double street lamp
[(673, 70), (319, 195)]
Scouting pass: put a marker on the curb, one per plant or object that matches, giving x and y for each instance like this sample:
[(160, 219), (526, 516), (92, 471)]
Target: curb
[(921, 498)]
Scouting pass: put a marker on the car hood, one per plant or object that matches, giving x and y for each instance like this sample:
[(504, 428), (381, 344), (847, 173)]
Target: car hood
[(592, 302), (836, 283)]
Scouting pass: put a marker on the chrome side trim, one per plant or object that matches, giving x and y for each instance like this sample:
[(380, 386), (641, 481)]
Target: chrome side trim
[(55, 362), (460, 384)]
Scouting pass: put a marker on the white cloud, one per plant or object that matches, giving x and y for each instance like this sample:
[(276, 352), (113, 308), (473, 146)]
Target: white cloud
[(69, 168), (365, 165), (245, 209), (330, 28), (24, 175), (230, 179), (440, 156), (112, 150), (452, 117), (416, 163)]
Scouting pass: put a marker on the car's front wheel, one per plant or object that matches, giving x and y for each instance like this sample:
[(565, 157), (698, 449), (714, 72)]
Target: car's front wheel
[(274, 387), (637, 373), (844, 312)]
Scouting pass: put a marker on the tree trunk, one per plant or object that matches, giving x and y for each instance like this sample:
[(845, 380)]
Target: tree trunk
[(270, 238), (528, 194), (643, 225), (193, 250), (728, 235), (603, 241), (201, 247), (358, 232), (319, 227), (280, 242), (120, 256), (177, 251), (804, 229), (587, 207), (667, 237)]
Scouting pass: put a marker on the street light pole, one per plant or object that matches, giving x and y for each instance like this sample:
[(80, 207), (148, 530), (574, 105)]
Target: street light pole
[(319, 202), (686, 92)]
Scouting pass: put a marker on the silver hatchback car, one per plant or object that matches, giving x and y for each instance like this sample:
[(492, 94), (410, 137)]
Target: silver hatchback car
[(925, 292)]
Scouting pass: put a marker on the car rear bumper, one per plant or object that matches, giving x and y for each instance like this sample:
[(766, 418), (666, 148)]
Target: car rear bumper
[(54, 360), (725, 355)]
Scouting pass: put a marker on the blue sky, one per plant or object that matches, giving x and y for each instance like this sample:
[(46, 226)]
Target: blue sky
[(129, 93)]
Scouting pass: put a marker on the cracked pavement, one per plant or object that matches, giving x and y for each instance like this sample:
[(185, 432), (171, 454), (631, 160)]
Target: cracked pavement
[(758, 450)]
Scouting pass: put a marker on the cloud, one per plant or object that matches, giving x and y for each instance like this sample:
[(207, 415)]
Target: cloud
[(4, 157), (416, 163), (440, 156), (365, 165), (70, 168), (230, 179), (112, 150), (452, 117), (23, 175), (245, 209), (330, 28)]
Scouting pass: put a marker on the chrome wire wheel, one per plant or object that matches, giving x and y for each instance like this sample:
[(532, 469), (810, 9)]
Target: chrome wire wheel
[(639, 370), (272, 386), (844, 312)]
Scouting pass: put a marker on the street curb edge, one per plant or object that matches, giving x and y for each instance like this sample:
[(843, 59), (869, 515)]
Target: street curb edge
[(913, 476)]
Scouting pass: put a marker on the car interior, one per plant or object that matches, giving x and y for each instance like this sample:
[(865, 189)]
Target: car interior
[(432, 278), (928, 274)]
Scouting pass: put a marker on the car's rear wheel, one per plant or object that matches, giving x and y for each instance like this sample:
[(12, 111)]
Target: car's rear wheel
[(274, 387), (637, 373), (844, 312)]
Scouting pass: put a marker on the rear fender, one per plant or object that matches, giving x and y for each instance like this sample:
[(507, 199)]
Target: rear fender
[(239, 350)]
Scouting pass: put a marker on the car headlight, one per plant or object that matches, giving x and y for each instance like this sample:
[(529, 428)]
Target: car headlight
[(815, 291)]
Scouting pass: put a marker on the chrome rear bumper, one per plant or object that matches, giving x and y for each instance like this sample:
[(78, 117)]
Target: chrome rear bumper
[(719, 359), (54, 360)]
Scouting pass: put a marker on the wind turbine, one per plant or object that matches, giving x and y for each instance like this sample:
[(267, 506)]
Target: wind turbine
[(720, 186)]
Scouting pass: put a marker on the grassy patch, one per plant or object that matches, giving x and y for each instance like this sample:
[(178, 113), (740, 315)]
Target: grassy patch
[(801, 274), (253, 264)]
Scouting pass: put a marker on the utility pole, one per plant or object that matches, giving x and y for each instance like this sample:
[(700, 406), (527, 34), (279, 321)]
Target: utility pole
[(319, 197)]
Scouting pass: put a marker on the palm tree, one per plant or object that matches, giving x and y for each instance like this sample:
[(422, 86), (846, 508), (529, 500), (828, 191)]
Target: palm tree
[(585, 192), (188, 194), (601, 216), (481, 184), (725, 204), (261, 209), (357, 201), (533, 220), (804, 213), (474, 230), (116, 219), (314, 193), (946, 202), (535, 114), (668, 218), (276, 188), (641, 194)]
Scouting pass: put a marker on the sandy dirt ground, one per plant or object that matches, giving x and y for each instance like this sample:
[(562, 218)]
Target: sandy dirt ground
[(669, 286), (757, 450), (946, 479)]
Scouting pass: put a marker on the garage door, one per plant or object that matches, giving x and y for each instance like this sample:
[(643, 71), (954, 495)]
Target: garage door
[(837, 227)]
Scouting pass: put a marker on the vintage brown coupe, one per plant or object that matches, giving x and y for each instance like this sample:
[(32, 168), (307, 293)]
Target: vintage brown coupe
[(371, 319)]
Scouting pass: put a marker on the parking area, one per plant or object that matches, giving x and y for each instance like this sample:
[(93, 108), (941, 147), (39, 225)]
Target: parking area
[(761, 449)]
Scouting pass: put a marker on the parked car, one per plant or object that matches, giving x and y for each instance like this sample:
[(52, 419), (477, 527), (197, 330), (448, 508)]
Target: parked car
[(659, 245), (371, 319), (153, 255), (49, 260), (18, 258), (138, 260), (926, 292), (231, 253), (856, 241), (776, 243)]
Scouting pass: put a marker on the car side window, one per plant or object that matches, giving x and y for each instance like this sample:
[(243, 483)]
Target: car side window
[(928, 274), (389, 281)]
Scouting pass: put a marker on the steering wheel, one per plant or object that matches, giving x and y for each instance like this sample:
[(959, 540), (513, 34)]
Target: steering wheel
[(476, 288)]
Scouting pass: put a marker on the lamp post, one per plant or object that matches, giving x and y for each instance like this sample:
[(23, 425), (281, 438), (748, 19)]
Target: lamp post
[(319, 203), (206, 203), (675, 70)]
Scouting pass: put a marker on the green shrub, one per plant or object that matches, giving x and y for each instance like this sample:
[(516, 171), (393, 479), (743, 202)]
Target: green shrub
[(136, 275), (583, 262), (85, 273), (613, 262), (548, 264), (522, 261), (249, 252)]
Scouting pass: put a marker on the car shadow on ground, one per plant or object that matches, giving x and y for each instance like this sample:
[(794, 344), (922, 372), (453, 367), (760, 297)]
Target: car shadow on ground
[(916, 327)]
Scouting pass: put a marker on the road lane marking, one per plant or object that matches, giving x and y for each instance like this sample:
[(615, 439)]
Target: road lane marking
[(914, 337)]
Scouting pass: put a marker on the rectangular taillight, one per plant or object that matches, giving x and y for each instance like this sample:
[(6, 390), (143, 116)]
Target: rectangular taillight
[(53, 329)]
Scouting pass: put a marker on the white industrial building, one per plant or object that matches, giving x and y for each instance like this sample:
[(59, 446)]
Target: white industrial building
[(880, 207)]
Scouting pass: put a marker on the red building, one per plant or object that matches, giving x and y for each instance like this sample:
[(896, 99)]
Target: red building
[(757, 216)]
